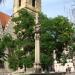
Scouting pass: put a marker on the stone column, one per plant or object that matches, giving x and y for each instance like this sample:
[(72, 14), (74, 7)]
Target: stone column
[(37, 66)]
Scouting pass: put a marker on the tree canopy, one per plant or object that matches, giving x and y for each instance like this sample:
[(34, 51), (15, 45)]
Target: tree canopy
[(56, 34), (24, 31)]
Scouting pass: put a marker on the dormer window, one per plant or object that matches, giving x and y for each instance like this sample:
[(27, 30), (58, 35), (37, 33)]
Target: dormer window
[(33, 3), (19, 3)]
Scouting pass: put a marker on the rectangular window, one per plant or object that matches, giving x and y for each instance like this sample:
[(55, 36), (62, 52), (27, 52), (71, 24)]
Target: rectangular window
[(19, 2), (33, 3)]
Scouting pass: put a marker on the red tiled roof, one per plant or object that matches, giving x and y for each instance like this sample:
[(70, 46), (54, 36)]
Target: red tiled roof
[(4, 18)]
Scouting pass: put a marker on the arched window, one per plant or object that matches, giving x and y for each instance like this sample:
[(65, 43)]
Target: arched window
[(33, 3), (19, 2)]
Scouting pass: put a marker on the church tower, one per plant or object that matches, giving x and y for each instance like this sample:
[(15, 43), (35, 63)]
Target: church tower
[(32, 5)]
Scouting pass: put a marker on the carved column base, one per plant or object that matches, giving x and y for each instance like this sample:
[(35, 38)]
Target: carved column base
[(37, 67)]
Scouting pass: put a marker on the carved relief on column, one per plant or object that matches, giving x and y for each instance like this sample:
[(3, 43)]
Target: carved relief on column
[(37, 32), (37, 36)]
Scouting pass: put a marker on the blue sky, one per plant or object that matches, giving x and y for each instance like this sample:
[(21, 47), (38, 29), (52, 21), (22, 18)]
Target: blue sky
[(51, 8)]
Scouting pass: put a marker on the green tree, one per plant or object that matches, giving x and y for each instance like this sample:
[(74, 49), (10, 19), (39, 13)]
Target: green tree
[(24, 31), (56, 34), (3, 47)]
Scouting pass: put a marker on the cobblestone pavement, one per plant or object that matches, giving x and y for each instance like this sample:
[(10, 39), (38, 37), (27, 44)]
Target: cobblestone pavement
[(70, 74)]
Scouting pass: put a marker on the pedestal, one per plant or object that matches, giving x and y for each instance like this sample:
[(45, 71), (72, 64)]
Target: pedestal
[(37, 67)]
